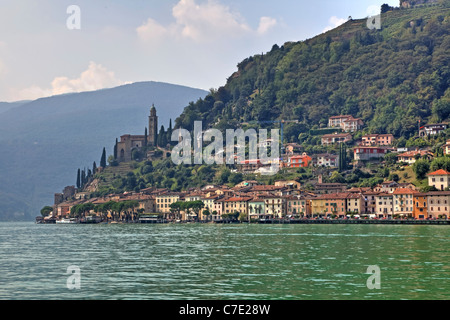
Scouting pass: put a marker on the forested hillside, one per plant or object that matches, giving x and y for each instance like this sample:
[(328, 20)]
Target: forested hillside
[(391, 78)]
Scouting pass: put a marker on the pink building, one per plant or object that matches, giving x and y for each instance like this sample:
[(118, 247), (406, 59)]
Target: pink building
[(377, 140)]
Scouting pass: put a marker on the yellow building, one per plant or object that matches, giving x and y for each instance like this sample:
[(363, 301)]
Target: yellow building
[(163, 201)]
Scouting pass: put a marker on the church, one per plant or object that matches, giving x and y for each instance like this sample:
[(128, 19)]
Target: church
[(128, 143)]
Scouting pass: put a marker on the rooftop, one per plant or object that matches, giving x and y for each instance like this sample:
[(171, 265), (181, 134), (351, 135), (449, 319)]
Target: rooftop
[(440, 172)]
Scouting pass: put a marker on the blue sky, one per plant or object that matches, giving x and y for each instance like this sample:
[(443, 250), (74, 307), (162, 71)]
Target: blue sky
[(196, 43)]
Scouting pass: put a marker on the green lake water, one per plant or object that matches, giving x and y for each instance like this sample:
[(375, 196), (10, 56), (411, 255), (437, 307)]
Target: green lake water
[(223, 262)]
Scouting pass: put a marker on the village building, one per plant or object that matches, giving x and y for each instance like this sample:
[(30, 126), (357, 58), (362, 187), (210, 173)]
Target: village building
[(432, 129), (368, 153), (439, 179), (297, 206), (235, 204), (299, 161), (274, 205), (346, 122), (386, 187), (420, 210), (209, 202), (438, 204), (384, 204), (164, 200), (289, 184), (256, 208), (328, 139), (410, 157), (370, 202), (403, 201), (249, 165), (248, 183), (354, 203), (329, 204), (377, 140), (446, 148), (326, 160), (292, 148)]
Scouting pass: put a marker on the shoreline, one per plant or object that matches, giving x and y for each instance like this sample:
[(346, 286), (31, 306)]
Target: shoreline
[(282, 221)]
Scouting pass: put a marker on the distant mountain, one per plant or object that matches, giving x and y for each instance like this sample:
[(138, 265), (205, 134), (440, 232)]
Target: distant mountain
[(45, 141), (5, 106)]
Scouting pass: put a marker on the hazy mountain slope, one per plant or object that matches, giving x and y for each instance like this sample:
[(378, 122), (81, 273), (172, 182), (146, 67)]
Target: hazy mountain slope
[(46, 140), (5, 106)]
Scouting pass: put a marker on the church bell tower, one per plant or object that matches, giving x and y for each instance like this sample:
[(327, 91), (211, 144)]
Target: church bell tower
[(152, 127)]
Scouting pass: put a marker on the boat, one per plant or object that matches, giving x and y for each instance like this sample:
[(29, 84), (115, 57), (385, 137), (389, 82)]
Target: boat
[(66, 221)]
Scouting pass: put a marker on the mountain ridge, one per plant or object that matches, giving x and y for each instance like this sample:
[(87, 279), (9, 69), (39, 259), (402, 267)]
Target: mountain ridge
[(391, 78), (46, 140)]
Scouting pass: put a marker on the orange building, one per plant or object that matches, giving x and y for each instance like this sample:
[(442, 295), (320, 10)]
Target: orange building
[(420, 210), (299, 161)]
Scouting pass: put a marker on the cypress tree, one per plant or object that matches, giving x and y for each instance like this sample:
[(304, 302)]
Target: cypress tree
[(79, 179), (344, 157), (103, 159), (83, 178), (115, 150), (162, 137), (146, 137), (94, 168), (169, 132)]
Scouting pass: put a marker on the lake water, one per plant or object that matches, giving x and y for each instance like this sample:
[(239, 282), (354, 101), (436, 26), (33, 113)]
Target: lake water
[(223, 262)]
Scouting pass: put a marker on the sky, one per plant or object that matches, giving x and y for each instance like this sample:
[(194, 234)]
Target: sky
[(50, 47)]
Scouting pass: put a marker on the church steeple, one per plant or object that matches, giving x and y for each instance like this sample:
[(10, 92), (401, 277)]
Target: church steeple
[(152, 127)]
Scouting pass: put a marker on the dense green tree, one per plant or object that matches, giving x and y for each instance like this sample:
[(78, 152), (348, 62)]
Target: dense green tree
[(45, 211), (103, 159), (421, 168), (440, 163), (115, 149), (145, 137), (79, 179)]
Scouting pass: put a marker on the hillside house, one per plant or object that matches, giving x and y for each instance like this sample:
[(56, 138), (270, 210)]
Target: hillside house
[(377, 140), (328, 139), (346, 122), (439, 179)]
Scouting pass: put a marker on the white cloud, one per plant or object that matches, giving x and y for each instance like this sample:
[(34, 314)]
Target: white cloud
[(334, 22), (203, 23), (265, 24), (151, 30), (94, 78)]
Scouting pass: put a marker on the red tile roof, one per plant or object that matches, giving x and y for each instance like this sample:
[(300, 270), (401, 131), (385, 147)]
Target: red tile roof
[(404, 191), (440, 172)]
